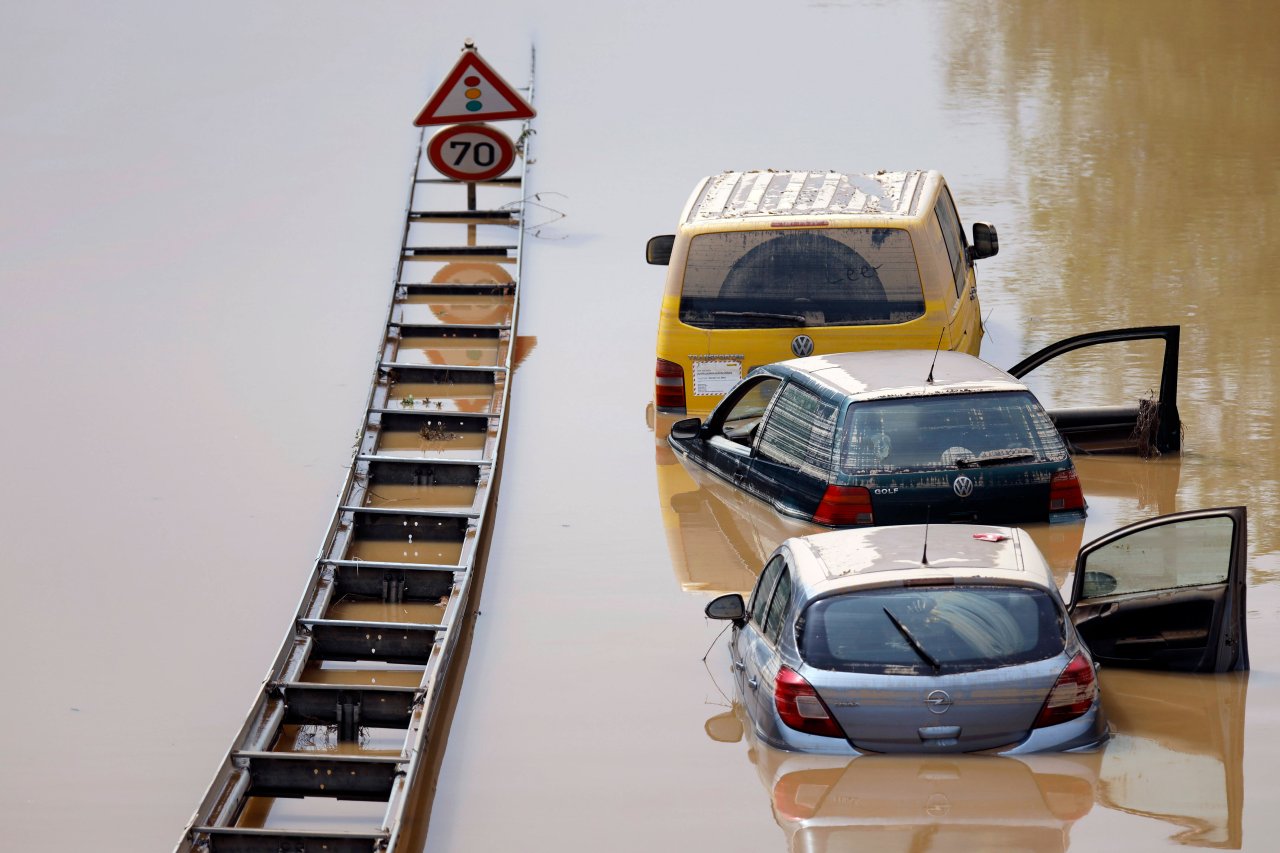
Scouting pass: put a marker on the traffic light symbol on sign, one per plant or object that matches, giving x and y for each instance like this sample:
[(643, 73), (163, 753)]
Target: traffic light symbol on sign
[(473, 92)]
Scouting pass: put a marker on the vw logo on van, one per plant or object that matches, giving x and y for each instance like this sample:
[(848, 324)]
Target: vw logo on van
[(802, 346), (962, 486)]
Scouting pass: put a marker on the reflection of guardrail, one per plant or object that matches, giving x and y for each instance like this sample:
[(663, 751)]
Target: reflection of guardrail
[(349, 702)]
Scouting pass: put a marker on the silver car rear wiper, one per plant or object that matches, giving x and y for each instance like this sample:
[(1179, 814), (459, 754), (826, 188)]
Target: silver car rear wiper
[(913, 642), (996, 457), (798, 319)]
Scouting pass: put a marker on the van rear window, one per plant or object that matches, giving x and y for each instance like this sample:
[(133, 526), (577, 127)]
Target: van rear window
[(923, 630), (811, 277)]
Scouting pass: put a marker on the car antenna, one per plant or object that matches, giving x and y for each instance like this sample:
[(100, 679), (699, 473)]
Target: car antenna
[(924, 554), (929, 380)]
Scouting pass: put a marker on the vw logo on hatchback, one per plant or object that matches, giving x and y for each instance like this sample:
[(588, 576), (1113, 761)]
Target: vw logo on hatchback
[(962, 486), (938, 701), (802, 346)]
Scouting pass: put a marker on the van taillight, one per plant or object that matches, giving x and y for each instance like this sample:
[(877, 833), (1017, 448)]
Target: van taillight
[(1071, 696), (668, 387), (1064, 491), (845, 505), (799, 706)]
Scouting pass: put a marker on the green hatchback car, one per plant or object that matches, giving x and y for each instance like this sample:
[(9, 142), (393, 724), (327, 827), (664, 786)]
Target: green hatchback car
[(913, 436)]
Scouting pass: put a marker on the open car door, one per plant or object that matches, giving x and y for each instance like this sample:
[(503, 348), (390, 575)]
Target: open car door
[(1166, 593), (1146, 427)]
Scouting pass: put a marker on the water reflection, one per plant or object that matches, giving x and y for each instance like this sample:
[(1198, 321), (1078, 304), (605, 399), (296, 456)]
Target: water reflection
[(1178, 752), (1176, 756), (1136, 146), (718, 536)]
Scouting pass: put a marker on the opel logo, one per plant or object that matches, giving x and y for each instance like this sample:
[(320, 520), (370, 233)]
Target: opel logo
[(962, 486), (802, 346), (937, 805), (938, 701)]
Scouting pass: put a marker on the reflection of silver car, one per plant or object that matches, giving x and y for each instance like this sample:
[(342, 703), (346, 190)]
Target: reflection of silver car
[(953, 638)]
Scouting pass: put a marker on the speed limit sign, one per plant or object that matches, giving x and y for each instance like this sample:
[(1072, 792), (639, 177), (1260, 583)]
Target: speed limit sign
[(471, 152)]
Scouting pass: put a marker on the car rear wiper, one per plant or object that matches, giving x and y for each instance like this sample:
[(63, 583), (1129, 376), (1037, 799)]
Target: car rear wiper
[(995, 457), (798, 319), (913, 642)]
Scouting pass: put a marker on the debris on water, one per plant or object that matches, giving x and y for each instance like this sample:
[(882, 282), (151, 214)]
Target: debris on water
[(436, 432), (1146, 429)]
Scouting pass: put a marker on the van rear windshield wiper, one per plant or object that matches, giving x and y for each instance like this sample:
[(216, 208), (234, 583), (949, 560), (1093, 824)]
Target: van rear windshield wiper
[(797, 319), (913, 642), (996, 457)]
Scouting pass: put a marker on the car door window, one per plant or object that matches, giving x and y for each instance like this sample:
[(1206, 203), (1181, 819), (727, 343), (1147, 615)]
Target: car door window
[(778, 608), (800, 431), (742, 412), (1148, 426), (764, 588), (1182, 554), (1167, 593), (953, 235)]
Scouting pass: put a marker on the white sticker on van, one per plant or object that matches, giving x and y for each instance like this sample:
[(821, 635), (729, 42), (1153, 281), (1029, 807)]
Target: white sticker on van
[(715, 376)]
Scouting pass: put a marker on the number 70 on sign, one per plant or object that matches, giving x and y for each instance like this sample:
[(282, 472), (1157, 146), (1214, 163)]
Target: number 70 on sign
[(471, 152)]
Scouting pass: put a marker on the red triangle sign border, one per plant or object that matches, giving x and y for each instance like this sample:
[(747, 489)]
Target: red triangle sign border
[(471, 61)]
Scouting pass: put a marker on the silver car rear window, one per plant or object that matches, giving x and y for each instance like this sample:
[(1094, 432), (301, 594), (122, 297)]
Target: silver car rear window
[(948, 431), (927, 630), (810, 277)]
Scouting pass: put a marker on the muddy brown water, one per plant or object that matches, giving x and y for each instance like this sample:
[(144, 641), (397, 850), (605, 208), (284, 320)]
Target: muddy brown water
[(197, 289)]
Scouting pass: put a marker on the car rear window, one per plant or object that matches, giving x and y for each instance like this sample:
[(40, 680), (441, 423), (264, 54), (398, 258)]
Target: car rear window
[(948, 431), (962, 628), (811, 277)]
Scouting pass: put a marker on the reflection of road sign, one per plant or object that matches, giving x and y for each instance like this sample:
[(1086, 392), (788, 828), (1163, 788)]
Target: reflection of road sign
[(471, 152), (473, 92), (471, 272)]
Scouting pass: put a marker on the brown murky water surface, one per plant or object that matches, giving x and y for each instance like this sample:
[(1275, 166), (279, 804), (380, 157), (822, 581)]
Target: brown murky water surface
[(194, 262)]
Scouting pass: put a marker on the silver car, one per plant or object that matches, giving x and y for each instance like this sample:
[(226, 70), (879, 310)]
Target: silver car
[(954, 638)]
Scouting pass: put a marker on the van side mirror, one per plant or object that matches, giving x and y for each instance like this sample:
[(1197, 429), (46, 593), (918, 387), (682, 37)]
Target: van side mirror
[(687, 429), (658, 249), (729, 606), (985, 241)]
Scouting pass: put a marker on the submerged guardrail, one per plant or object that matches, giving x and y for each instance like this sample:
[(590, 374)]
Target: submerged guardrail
[(349, 703)]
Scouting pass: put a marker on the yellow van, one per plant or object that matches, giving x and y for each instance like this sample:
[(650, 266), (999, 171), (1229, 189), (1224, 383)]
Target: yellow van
[(768, 266)]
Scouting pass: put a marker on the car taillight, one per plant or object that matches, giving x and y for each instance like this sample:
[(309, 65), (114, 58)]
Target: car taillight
[(799, 706), (844, 505), (668, 387), (1071, 696), (1064, 491)]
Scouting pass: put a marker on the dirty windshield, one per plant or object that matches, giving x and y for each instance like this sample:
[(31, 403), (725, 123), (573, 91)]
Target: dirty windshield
[(826, 277), (930, 628), (946, 432)]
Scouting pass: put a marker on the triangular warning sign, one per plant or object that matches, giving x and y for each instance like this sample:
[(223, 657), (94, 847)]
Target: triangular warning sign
[(473, 92)]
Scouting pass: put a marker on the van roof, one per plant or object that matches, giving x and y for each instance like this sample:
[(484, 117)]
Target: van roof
[(735, 195)]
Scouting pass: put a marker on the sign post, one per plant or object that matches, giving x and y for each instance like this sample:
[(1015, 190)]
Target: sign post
[(469, 150)]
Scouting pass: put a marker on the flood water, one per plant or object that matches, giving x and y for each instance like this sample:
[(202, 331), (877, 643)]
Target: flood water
[(203, 211)]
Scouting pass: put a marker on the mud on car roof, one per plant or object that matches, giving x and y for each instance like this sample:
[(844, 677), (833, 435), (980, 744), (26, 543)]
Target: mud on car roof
[(896, 373), (733, 195)]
